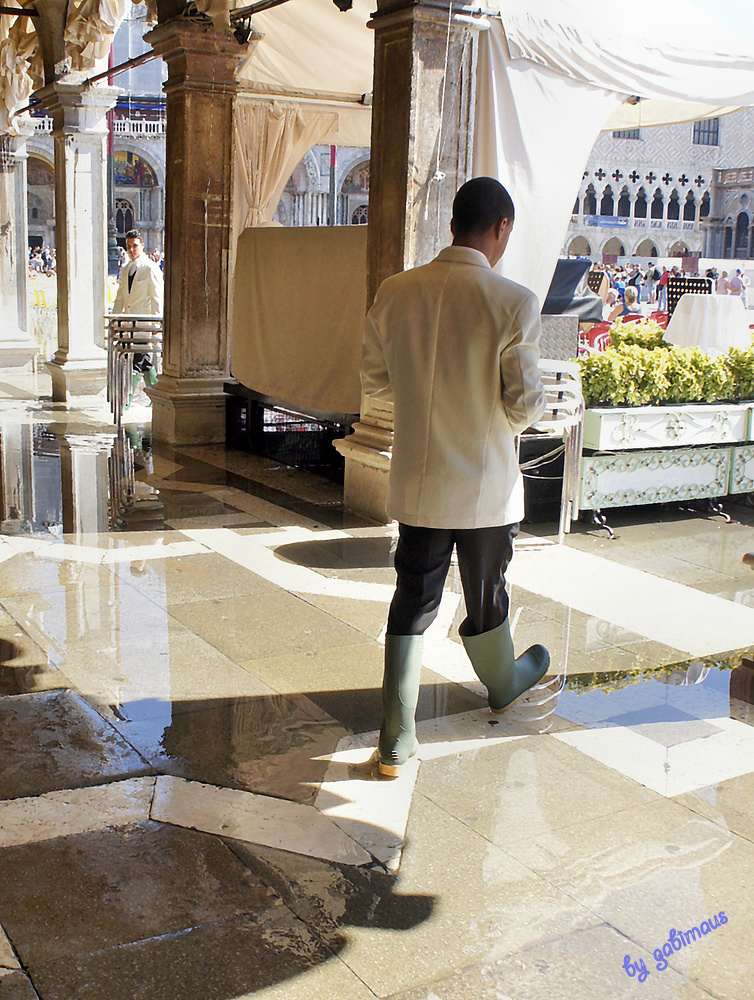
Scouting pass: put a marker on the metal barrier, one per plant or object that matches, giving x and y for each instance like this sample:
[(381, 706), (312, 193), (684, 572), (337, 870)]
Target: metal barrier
[(126, 336)]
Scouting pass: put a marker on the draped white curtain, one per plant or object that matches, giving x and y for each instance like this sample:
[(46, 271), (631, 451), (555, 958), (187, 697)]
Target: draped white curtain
[(271, 138), (90, 28), (21, 70)]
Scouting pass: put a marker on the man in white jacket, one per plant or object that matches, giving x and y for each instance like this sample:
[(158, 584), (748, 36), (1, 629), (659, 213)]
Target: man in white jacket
[(140, 293), (455, 347)]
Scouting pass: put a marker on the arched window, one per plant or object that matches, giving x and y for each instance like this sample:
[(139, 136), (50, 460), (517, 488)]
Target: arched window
[(624, 203), (742, 234), (646, 249), (674, 206), (614, 247), (590, 201), (607, 204), (655, 211), (124, 216), (640, 205), (689, 209), (678, 249), (728, 244), (704, 207), (576, 206), (360, 216), (579, 246)]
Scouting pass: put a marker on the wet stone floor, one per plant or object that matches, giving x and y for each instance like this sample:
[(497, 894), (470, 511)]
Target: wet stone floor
[(190, 668)]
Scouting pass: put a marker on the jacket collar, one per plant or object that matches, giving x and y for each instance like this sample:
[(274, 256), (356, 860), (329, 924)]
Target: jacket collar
[(463, 255)]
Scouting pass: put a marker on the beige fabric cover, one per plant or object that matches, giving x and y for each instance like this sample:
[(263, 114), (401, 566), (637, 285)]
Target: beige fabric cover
[(271, 138), (455, 346), (298, 315)]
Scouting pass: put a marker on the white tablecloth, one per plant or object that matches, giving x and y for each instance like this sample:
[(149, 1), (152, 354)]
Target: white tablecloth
[(712, 322)]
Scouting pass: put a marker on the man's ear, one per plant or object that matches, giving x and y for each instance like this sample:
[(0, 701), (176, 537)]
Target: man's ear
[(453, 228)]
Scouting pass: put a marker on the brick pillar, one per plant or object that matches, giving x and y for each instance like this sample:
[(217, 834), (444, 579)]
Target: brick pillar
[(79, 115), (187, 402), (419, 50)]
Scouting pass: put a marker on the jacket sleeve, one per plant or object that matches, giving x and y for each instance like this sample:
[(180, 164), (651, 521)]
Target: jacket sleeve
[(523, 395), (119, 303), (375, 380), (156, 291)]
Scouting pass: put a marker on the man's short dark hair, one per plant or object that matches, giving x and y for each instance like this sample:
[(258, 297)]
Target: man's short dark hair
[(480, 204), (134, 234)]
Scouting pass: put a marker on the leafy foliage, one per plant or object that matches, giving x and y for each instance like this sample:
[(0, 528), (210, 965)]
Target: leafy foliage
[(630, 375), (643, 333)]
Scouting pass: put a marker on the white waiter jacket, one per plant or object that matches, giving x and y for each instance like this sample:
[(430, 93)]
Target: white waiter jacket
[(146, 295), (455, 346)]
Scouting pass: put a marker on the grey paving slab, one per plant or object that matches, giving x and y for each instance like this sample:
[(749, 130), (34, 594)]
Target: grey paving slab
[(346, 682), (54, 740), (729, 803), (261, 957), (656, 867), (457, 900), (273, 745), (583, 965), (270, 625), (16, 986), (93, 891), (526, 788)]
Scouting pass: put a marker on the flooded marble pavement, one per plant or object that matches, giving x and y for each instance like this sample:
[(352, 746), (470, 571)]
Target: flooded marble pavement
[(190, 669)]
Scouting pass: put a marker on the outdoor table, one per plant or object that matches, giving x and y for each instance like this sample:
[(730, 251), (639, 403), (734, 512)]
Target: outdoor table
[(712, 322)]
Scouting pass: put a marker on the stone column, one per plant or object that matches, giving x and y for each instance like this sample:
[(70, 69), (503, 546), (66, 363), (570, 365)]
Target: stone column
[(79, 115), (422, 126), (17, 347), (188, 404), (84, 481)]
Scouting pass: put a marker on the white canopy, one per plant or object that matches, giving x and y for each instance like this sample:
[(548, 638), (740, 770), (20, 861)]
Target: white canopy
[(550, 78)]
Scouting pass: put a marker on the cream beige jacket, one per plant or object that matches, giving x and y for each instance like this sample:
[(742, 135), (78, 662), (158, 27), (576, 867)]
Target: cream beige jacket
[(455, 347), (146, 295)]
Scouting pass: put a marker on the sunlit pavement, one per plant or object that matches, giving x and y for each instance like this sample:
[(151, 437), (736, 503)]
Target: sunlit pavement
[(191, 643)]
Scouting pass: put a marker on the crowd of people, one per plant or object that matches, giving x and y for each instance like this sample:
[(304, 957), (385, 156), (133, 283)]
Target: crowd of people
[(42, 260), (634, 289)]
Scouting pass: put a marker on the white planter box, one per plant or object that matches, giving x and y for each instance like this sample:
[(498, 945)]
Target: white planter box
[(622, 428), (655, 476), (742, 470)]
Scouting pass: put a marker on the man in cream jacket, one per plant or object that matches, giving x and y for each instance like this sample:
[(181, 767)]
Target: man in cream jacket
[(140, 293), (455, 347)]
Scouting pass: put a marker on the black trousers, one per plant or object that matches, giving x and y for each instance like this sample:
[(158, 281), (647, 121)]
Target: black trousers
[(422, 560)]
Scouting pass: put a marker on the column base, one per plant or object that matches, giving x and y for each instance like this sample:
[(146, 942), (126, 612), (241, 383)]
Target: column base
[(188, 410), (17, 355), (77, 376), (367, 455)]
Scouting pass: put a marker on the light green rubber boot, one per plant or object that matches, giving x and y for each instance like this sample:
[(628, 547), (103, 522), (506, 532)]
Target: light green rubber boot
[(134, 386), (496, 666), (400, 693), (150, 376)]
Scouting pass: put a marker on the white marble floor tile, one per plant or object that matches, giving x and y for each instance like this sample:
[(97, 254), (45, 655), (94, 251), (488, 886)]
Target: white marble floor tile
[(255, 553), (255, 819), (8, 958), (669, 770), (371, 809), (72, 811), (667, 612)]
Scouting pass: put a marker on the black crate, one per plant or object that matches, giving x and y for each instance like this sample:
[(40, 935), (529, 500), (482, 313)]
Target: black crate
[(275, 432), (543, 485)]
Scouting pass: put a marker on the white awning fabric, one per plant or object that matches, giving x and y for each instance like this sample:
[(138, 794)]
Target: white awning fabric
[(551, 75)]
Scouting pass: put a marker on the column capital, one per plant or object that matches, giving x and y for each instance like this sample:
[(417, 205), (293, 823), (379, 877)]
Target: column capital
[(197, 54), (78, 107)]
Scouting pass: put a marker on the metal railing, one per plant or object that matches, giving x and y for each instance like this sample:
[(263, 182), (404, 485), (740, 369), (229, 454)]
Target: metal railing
[(126, 336)]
